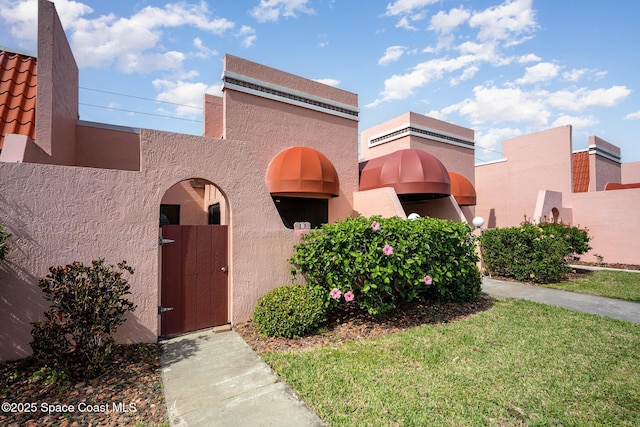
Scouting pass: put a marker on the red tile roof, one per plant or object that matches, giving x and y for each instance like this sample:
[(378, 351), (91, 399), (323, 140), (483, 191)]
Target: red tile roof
[(581, 176), (17, 95)]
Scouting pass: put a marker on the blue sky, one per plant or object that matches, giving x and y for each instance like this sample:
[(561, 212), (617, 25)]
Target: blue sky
[(502, 68)]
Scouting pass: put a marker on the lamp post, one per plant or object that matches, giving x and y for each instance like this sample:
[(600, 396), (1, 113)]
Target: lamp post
[(478, 222)]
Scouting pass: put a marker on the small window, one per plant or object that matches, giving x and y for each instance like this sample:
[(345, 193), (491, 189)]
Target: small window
[(169, 215), (299, 209), (214, 214)]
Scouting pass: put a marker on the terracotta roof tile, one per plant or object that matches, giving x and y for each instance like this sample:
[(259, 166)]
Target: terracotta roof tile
[(580, 162), (18, 79)]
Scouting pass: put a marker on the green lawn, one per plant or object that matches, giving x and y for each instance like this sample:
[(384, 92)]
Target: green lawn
[(519, 363), (612, 284)]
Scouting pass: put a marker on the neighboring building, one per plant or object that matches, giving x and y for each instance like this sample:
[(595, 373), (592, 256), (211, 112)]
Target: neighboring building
[(540, 178)]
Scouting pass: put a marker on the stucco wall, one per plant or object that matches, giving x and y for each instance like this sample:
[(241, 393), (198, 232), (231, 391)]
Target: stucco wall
[(56, 103), (108, 147), (630, 172), (507, 191), (612, 220)]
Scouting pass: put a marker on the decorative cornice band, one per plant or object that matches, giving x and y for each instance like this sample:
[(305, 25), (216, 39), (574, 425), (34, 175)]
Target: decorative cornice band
[(422, 132), (596, 149), (289, 96)]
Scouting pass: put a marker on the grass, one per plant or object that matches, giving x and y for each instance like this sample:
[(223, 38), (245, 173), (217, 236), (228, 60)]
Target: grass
[(520, 363), (612, 284)]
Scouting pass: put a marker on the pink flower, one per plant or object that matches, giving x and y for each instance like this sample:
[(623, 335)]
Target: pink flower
[(388, 250), (428, 280), (335, 293), (349, 296), (375, 226)]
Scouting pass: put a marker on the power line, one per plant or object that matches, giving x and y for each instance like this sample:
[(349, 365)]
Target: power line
[(139, 97), (140, 112)]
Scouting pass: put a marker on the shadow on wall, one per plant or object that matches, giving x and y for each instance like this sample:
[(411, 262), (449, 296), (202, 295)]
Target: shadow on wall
[(21, 303), (491, 221)]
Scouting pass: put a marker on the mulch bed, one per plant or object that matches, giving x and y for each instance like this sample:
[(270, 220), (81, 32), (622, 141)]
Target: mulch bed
[(132, 383), (348, 323)]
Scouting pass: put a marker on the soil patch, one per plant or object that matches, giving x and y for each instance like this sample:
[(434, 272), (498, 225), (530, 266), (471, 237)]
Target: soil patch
[(349, 323), (129, 392)]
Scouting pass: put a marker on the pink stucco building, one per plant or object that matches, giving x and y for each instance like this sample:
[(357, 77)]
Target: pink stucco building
[(209, 222), (541, 178)]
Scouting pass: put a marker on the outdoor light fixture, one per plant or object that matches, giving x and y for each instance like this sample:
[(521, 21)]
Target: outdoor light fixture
[(478, 222), (413, 216)]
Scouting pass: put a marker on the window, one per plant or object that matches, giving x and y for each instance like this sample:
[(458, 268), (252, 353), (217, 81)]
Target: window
[(299, 209), (214, 214), (169, 215)]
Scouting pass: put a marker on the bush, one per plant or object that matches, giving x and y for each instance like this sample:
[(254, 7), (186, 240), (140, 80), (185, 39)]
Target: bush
[(87, 305), (380, 261), (531, 252), (4, 236), (290, 311)]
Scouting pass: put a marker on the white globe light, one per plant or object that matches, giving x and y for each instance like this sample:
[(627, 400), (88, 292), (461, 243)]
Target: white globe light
[(413, 216), (478, 222)]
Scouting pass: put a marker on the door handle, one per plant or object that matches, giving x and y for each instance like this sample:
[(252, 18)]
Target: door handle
[(224, 269)]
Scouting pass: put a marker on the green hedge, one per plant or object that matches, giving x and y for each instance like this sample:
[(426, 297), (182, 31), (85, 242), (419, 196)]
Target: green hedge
[(379, 262), (536, 253), (4, 236), (290, 311)]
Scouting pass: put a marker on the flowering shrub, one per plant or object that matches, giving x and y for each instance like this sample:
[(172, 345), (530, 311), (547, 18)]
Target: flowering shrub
[(87, 305), (291, 311), (533, 252), (378, 262)]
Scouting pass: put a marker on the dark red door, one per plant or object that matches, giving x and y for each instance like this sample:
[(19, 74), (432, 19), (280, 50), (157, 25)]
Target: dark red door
[(194, 278)]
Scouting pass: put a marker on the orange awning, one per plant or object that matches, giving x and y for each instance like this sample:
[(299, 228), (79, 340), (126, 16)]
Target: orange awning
[(409, 172), (462, 190), (302, 170)]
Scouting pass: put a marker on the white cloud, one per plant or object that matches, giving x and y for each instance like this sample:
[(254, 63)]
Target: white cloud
[(467, 74), (493, 137), (402, 86), (538, 73), (404, 23), (529, 58), (493, 104), (392, 54), (272, 10), (400, 7), (203, 51), (328, 82), (445, 23), (248, 35), (505, 22), (633, 116), (144, 63), (578, 122), (188, 95), (582, 98)]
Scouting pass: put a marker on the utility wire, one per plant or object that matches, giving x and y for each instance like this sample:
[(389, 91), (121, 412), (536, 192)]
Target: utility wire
[(140, 97), (140, 112)]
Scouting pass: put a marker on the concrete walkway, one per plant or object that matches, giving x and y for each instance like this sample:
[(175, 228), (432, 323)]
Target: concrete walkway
[(216, 379), (625, 310)]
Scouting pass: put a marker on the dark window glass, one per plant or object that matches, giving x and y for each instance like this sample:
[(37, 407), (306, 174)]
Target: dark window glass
[(299, 209), (169, 215), (214, 214)]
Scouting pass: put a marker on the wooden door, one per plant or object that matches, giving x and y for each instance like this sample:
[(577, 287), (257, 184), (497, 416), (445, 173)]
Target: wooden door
[(194, 278)]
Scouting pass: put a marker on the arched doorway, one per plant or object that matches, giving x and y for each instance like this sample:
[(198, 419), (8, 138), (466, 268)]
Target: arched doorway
[(194, 289)]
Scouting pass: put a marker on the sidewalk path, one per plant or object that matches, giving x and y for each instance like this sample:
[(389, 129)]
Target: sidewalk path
[(216, 379), (625, 310)]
